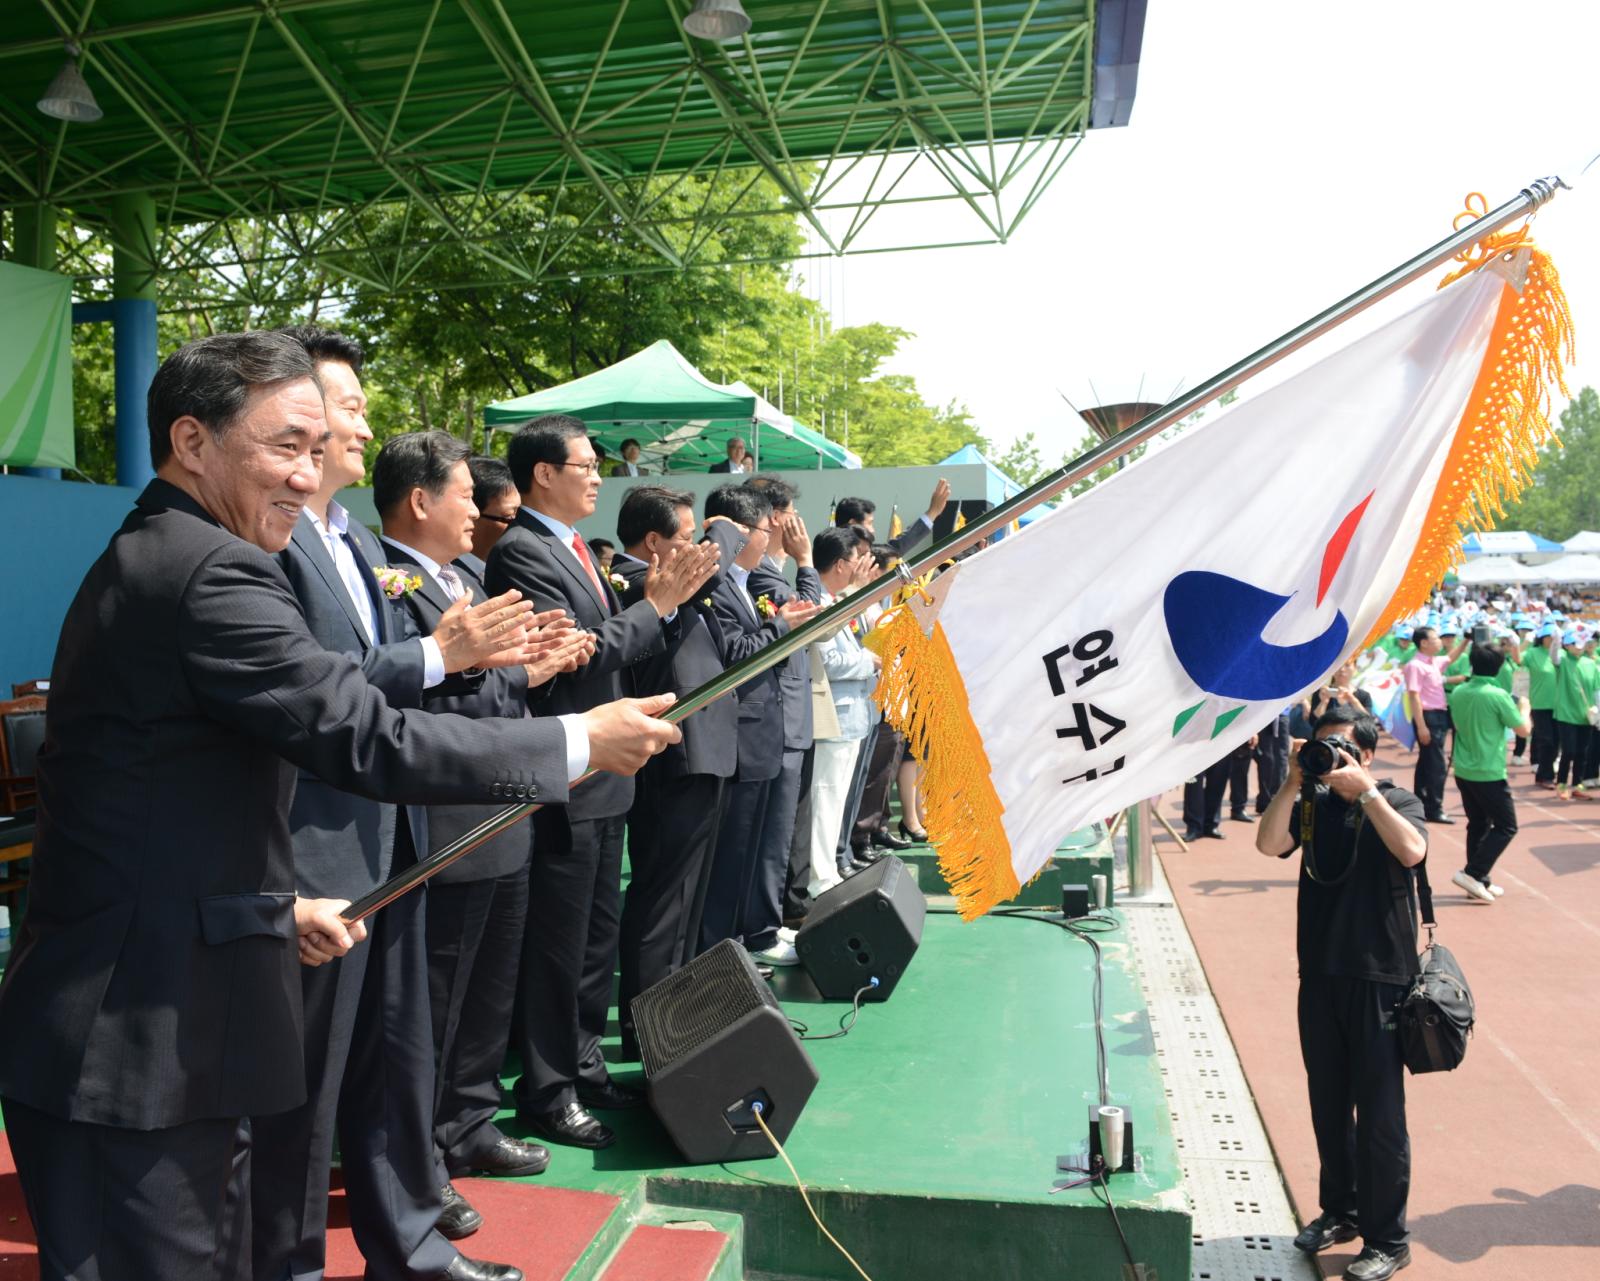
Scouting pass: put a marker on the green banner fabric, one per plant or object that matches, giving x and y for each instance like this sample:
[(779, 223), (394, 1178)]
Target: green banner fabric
[(35, 368)]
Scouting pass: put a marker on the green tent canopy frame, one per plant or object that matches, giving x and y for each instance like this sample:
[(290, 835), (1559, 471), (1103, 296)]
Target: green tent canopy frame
[(682, 420)]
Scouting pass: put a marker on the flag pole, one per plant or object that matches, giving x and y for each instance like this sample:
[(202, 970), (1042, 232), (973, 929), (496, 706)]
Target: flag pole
[(1530, 198)]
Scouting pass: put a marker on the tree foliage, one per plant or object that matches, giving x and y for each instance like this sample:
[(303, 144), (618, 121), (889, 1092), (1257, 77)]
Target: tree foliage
[(442, 344), (1564, 495)]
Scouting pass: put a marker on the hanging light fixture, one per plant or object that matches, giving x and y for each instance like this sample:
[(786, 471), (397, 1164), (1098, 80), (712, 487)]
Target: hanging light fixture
[(69, 96), (717, 20)]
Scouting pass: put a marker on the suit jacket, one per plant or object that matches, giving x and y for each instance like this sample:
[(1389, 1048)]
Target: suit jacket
[(156, 978), (502, 692), (710, 736), (794, 673), (724, 466), (913, 536), (743, 634), (344, 844), (851, 677), (532, 559)]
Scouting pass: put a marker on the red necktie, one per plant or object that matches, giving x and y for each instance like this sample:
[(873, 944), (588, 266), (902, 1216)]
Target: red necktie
[(588, 568)]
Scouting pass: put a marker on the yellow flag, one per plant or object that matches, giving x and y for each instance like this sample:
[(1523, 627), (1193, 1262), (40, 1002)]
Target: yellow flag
[(896, 525)]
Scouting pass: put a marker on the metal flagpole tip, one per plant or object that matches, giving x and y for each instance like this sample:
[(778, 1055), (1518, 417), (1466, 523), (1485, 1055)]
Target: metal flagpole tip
[(1541, 191)]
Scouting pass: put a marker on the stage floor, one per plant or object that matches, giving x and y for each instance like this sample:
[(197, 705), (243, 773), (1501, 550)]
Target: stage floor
[(929, 1147)]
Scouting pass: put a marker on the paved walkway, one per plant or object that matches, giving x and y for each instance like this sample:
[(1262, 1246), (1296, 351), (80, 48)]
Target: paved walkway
[(1506, 1149)]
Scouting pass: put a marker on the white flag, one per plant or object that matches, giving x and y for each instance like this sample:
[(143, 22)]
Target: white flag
[(1153, 625)]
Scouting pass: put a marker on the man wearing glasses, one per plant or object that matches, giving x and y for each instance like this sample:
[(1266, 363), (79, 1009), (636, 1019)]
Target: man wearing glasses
[(569, 949), (495, 496)]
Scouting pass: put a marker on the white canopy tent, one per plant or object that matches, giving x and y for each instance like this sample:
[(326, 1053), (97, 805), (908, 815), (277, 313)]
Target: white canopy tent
[(1574, 568), (1498, 569), (1585, 540)]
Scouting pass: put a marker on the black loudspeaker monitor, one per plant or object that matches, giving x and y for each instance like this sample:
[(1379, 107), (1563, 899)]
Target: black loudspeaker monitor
[(714, 1042), (866, 928)]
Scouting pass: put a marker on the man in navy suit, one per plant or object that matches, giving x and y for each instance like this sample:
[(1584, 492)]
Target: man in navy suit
[(575, 887), (369, 1060), (740, 523), (476, 907), (672, 826)]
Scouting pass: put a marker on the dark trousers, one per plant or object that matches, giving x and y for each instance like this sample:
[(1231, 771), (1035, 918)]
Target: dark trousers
[(763, 898), (1573, 740), (109, 1204), (1591, 765), (1239, 780), (1491, 823), (672, 831), (569, 956), (1272, 761), (1202, 797), (737, 834), (852, 801), (474, 955), (796, 895), (1428, 780), (1542, 749), (1350, 1044), (369, 1079), (872, 813)]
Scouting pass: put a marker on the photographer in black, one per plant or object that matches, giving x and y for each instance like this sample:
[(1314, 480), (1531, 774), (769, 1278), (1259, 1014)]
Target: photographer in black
[(1357, 946)]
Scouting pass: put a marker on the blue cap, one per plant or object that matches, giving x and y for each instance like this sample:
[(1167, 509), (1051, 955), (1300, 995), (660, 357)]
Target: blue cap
[(1522, 622), (1556, 616), (1570, 638), (1549, 629), (1402, 631), (1452, 628)]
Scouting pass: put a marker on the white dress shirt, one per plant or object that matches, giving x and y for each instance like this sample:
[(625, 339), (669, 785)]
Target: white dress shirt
[(333, 533), (576, 731)]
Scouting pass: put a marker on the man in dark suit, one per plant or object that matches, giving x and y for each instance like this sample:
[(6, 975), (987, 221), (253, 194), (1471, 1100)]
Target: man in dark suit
[(369, 1066), (738, 459), (782, 870), (862, 512), (574, 897), (495, 496), (153, 999), (739, 522), (672, 826), (475, 908)]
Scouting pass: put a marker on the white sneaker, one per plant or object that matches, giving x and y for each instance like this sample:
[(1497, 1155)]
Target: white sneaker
[(1497, 889), (780, 953), (1473, 886), (786, 935)]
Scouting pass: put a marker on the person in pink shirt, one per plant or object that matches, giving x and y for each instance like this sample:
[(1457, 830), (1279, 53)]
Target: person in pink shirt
[(1424, 678)]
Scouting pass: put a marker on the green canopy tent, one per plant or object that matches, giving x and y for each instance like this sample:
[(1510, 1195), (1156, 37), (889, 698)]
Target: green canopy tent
[(682, 420)]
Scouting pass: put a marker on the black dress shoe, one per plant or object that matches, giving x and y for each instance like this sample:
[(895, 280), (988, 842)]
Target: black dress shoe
[(509, 1158), (1215, 833), (1243, 816), (612, 1096), (1438, 818), (883, 838), (464, 1269), (573, 1125), (1373, 1264), (765, 971), (865, 855), (458, 1219), (1192, 834), (1324, 1231)]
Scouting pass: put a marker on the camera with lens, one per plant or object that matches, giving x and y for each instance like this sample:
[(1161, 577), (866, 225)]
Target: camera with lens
[(1321, 755)]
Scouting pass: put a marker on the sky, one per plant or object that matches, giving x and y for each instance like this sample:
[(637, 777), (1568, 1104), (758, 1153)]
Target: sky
[(1279, 156)]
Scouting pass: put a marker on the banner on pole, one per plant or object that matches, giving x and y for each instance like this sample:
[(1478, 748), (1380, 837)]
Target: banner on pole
[(35, 368), (1153, 625)]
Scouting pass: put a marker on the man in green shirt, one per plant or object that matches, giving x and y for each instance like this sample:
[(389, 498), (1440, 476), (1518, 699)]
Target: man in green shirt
[(1537, 658), (1572, 717), (1482, 711)]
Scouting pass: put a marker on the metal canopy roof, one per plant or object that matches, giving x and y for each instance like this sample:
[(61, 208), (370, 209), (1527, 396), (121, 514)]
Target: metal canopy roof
[(305, 113)]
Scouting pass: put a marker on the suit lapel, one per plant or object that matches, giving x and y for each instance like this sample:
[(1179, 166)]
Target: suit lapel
[(568, 561), (311, 546), (431, 590)]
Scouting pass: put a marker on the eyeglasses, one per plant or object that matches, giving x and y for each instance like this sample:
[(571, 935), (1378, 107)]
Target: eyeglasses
[(588, 469), (507, 521)]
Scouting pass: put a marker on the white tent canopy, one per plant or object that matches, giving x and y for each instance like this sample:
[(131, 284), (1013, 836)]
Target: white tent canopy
[(1585, 540), (1572, 568), (1498, 569)]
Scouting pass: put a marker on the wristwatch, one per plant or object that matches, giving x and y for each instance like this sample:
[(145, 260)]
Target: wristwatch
[(1367, 797)]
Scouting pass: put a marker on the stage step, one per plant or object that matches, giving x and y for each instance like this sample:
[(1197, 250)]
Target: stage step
[(678, 1245)]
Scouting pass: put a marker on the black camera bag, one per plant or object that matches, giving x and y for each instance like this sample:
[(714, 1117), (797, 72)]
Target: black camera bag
[(1437, 1014)]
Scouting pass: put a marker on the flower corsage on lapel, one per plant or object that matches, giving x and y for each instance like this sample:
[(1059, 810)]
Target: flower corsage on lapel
[(619, 584), (765, 607), (396, 583)]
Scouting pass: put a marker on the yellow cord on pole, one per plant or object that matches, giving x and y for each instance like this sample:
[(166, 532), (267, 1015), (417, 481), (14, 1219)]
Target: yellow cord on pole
[(761, 1121)]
